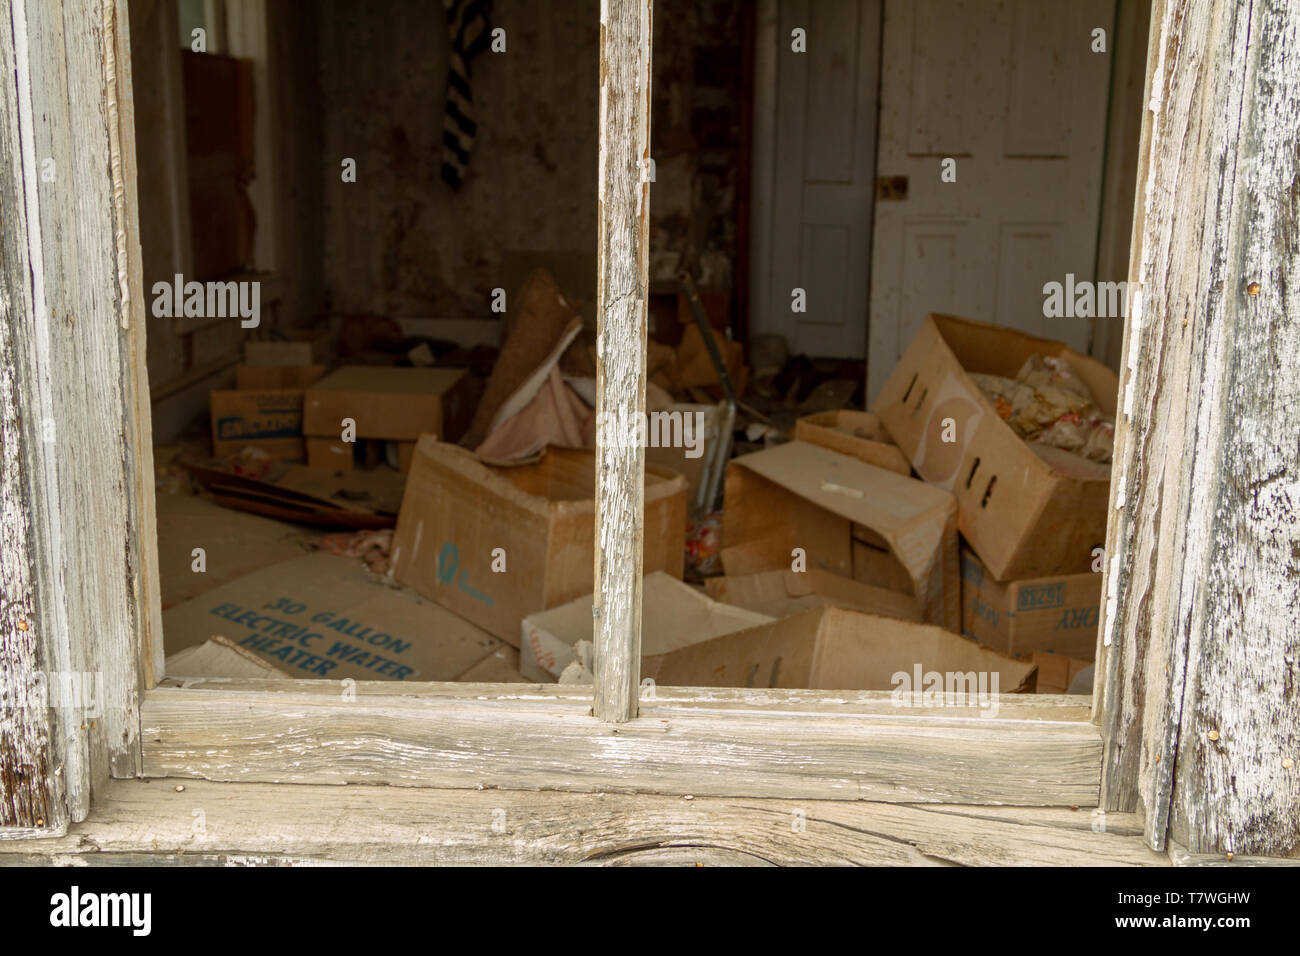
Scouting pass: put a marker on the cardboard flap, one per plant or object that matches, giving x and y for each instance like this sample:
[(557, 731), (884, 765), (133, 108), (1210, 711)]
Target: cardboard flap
[(880, 499), (673, 616), (219, 657), (916, 520)]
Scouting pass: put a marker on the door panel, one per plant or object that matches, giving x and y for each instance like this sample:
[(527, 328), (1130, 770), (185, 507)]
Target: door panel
[(1014, 93), (822, 184)]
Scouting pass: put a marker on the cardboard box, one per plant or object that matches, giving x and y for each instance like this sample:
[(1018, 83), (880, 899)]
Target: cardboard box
[(858, 434), (673, 615), (783, 593), (324, 616), (850, 518), (277, 376), (695, 366), (1058, 614), (269, 419), (833, 648), (389, 402), (219, 657), (1027, 510), (329, 453), (1056, 672), (457, 511), (405, 455), (304, 347)]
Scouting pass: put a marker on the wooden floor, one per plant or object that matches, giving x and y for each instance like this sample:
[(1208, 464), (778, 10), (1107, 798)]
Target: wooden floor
[(171, 822)]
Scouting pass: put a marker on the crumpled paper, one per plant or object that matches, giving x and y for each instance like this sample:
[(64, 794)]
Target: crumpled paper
[(1048, 403)]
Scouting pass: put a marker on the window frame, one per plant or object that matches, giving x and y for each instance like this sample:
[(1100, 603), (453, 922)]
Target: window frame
[(1042, 750)]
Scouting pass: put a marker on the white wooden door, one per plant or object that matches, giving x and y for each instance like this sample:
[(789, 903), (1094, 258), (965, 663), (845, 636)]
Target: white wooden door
[(1012, 90), (817, 234)]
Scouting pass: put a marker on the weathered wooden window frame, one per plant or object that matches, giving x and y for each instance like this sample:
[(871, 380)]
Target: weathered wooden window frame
[(88, 534)]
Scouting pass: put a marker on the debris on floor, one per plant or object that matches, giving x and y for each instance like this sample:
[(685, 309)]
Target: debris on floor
[(218, 657), (322, 615), (953, 523), (496, 543)]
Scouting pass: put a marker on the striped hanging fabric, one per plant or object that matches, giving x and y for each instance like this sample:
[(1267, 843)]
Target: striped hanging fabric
[(469, 30)]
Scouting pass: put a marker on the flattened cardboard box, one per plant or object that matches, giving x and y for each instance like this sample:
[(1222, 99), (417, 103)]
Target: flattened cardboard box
[(674, 615), (267, 419), (389, 402), (461, 517), (833, 648), (857, 434), (849, 518), (1057, 614), (1028, 511), (219, 657), (326, 616), (783, 593)]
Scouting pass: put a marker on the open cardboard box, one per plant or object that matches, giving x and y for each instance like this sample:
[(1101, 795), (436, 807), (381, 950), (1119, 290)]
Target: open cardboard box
[(673, 615), (783, 593), (1028, 511), (460, 517), (832, 648), (849, 518), (858, 434)]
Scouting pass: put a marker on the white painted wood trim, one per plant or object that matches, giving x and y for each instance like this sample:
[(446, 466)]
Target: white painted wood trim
[(78, 353), (280, 825), (1200, 675), (513, 738), (763, 178), (623, 245)]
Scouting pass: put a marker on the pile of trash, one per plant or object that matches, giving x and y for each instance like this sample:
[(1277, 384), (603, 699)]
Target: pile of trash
[(1049, 404)]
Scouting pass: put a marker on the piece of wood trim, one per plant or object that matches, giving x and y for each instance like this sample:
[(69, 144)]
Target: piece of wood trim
[(142, 523), (1129, 39), (267, 824), (623, 244), (30, 798), (78, 342), (503, 737), (856, 703), (1203, 591)]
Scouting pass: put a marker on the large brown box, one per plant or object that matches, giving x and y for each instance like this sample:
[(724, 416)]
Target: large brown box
[(389, 402), (269, 419), (1058, 614), (847, 517), (833, 648), (1027, 510), (457, 511)]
